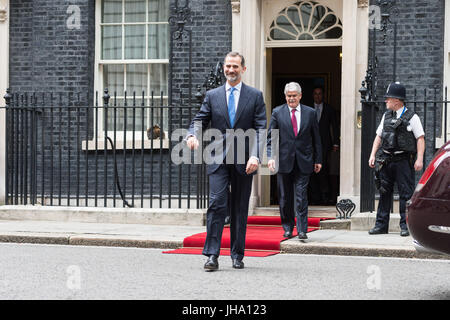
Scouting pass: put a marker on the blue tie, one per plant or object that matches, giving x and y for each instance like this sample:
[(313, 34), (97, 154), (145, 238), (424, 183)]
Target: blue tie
[(231, 106)]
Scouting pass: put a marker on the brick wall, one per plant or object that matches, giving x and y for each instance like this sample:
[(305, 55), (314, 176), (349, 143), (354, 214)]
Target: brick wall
[(46, 56), (420, 58), (211, 41)]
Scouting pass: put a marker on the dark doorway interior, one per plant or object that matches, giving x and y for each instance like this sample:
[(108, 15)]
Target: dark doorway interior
[(310, 67)]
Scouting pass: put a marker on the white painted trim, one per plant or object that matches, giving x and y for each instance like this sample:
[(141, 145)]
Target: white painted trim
[(99, 63), (348, 151), (4, 84), (303, 43), (250, 22), (354, 44), (136, 61), (98, 71), (247, 27), (236, 36), (305, 25), (274, 8), (139, 144), (362, 47), (131, 23)]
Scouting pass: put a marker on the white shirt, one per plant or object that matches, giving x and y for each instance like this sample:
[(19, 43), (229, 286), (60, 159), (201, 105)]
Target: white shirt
[(297, 116), (319, 108), (414, 124), (236, 93)]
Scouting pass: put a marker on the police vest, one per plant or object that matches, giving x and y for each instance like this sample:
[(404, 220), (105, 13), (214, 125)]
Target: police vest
[(395, 136)]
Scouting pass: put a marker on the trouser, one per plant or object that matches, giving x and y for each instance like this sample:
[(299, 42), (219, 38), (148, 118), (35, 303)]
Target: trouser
[(319, 184), (402, 173), (293, 198), (220, 205)]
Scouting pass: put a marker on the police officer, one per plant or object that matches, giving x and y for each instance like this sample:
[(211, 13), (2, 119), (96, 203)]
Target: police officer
[(397, 150)]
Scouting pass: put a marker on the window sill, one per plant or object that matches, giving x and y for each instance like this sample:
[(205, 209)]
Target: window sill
[(99, 144), (441, 141)]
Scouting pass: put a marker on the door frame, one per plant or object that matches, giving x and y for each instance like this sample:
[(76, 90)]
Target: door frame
[(249, 21)]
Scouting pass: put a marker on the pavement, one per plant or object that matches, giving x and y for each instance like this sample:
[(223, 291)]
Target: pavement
[(322, 242)]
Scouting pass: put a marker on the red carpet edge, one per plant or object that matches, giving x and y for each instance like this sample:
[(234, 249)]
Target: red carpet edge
[(263, 238)]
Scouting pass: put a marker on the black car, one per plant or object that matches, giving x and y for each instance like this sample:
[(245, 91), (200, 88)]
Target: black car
[(428, 212)]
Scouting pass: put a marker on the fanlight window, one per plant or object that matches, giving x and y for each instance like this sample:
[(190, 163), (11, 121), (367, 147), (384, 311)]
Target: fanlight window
[(306, 20)]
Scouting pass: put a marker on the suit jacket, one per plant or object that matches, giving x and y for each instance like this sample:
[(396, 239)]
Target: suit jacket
[(327, 120), (250, 114), (305, 148)]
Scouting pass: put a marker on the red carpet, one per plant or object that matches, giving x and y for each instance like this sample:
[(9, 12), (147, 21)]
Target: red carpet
[(264, 235)]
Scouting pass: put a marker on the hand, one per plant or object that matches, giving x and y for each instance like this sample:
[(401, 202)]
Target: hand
[(372, 161), (271, 165), (335, 148), (252, 165), (418, 165), (192, 143), (317, 167)]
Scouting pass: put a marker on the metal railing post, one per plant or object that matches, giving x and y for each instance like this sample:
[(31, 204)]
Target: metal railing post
[(9, 130)]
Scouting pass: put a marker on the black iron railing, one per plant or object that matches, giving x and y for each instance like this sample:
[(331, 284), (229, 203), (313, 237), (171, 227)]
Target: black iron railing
[(62, 150)]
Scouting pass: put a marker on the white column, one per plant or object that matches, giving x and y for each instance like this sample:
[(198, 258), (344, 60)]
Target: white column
[(236, 25), (354, 66), (350, 150), (250, 40), (4, 80), (246, 38), (362, 45)]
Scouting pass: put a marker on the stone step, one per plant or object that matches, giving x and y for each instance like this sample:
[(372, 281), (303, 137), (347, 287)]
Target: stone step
[(365, 221), (313, 211), (186, 217), (336, 224)]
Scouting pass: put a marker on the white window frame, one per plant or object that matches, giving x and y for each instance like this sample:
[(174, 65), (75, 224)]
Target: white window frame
[(270, 43), (98, 87)]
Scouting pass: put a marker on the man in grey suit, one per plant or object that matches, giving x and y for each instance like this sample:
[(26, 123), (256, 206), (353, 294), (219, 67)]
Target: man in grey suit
[(228, 108), (300, 154)]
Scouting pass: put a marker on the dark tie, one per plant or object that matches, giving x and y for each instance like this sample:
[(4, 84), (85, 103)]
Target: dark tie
[(294, 122), (231, 106)]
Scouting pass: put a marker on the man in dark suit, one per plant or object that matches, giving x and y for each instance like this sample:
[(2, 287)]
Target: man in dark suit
[(228, 108), (300, 154), (329, 133)]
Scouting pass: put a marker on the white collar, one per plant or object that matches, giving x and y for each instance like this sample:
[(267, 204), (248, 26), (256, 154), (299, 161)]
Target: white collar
[(237, 87), (297, 108), (400, 111)]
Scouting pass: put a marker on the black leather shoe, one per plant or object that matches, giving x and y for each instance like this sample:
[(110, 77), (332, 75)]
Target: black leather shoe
[(404, 232), (238, 264), (302, 236), (377, 230), (227, 220), (287, 234), (211, 264)]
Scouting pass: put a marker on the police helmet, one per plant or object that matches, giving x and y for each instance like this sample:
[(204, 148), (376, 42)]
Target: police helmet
[(396, 90)]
